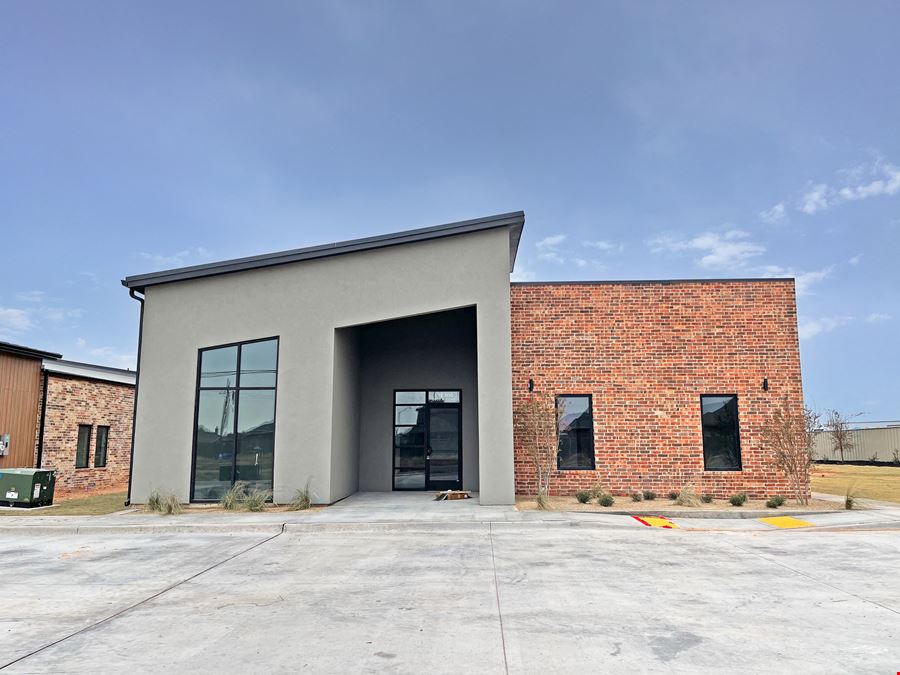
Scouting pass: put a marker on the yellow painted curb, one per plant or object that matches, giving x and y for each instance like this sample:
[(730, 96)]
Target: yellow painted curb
[(656, 521), (785, 522)]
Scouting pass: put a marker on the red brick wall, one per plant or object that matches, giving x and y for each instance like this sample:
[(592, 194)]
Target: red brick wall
[(646, 351), (73, 401)]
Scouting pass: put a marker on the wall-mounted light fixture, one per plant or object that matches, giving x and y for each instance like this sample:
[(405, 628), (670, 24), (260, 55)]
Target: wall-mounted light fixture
[(530, 385), (765, 384)]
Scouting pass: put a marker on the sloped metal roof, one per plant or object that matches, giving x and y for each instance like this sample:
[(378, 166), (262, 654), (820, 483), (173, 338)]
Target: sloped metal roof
[(514, 221)]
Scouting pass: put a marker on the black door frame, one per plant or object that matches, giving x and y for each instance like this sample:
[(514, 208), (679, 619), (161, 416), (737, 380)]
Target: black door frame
[(428, 404)]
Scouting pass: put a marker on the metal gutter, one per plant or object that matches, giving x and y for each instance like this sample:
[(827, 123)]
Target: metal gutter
[(137, 379)]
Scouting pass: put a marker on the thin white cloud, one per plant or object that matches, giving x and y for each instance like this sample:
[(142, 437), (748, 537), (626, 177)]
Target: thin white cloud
[(777, 214), (605, 246), (731, 249), (31, 296), (107, 356), (548, 249), (803, 281), (177, 259), (521, 273), (551, 256), (888, 183), (15, 320), (878, 178), (815, 199), (878, 316), (809, 328), (855, 259), (550, 243)]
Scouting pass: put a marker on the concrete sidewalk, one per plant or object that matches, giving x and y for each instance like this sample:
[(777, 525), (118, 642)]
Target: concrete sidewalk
[(443, 597), (387, 509)]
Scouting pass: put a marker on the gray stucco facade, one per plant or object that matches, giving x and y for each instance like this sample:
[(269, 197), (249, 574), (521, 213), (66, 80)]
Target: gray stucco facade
[(427, 312)]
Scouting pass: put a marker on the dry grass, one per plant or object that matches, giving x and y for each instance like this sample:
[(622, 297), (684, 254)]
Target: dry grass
[(525, 503), (94, 505), (868, 482)]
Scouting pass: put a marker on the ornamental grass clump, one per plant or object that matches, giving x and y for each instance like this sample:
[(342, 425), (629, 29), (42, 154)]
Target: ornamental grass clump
[(637, 496), (706, 498), (302, 499), (649, 495), (165, 504), (687, 497), (583, 496)]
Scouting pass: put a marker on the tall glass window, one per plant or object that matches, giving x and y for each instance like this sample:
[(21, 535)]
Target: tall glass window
[(84, 446), (576, 432), (101, 446), (721, 433), (235, 431)]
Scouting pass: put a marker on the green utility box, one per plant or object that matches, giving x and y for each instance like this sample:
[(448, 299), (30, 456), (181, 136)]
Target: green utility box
[(27, 487)]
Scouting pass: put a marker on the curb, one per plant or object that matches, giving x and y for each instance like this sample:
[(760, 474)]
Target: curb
[(715, 515)]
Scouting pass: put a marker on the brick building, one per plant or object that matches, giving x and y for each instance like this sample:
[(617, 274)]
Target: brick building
[(644, 358), (72, 417), (84, 429), (398, 363)]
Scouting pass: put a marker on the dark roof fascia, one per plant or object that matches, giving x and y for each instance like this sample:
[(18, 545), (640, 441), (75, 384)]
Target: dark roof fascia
[(27, 352), (614, 282), (514, 221)]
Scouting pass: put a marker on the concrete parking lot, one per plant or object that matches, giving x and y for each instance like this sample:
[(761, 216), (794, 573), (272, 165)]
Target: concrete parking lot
[(484, 597)]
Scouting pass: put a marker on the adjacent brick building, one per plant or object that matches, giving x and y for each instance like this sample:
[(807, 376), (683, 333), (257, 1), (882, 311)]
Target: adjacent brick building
[(85, 432), (646, 352)]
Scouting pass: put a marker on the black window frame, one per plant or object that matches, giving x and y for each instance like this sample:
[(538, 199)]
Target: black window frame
[(425, 431), (97, 463), (590, 398), (237, 388), (87, 447), (737, 433)]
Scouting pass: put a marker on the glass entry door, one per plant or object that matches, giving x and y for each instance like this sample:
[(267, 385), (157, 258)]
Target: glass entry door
[(428, 439)]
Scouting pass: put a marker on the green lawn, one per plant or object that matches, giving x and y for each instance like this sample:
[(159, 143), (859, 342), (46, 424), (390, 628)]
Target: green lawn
[(874, 482), (95, 505)]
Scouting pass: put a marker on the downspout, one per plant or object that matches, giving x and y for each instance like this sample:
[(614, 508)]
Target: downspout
[(46, 393), (137, 381)]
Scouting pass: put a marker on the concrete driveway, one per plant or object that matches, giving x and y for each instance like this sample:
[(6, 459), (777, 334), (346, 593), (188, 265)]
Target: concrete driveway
[(490, 597)]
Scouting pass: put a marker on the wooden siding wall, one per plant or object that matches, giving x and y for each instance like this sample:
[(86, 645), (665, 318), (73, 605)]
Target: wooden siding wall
[(20, 393)]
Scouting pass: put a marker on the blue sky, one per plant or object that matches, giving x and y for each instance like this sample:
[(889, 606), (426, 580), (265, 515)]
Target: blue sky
[(643, 140)]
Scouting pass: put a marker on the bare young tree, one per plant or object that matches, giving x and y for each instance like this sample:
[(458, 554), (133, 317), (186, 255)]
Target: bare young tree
[(536, 421), (790, 437), (838, 428)]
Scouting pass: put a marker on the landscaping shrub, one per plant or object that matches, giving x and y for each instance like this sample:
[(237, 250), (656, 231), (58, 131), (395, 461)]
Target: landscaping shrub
[(583, 496), (232, 498), (649, 495), (302, 499), (636, 496), (606, 499), (706, 498), (164, 504), (239, 497), (772, 503), (739, 499), (256, 499), (687, 497), (673, 495), (778, 499), (850, 497)]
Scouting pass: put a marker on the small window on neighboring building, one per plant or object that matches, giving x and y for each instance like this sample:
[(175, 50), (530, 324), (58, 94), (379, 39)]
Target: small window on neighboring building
[(576, 432), (84, 446), (721, 436), (100, 447)]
